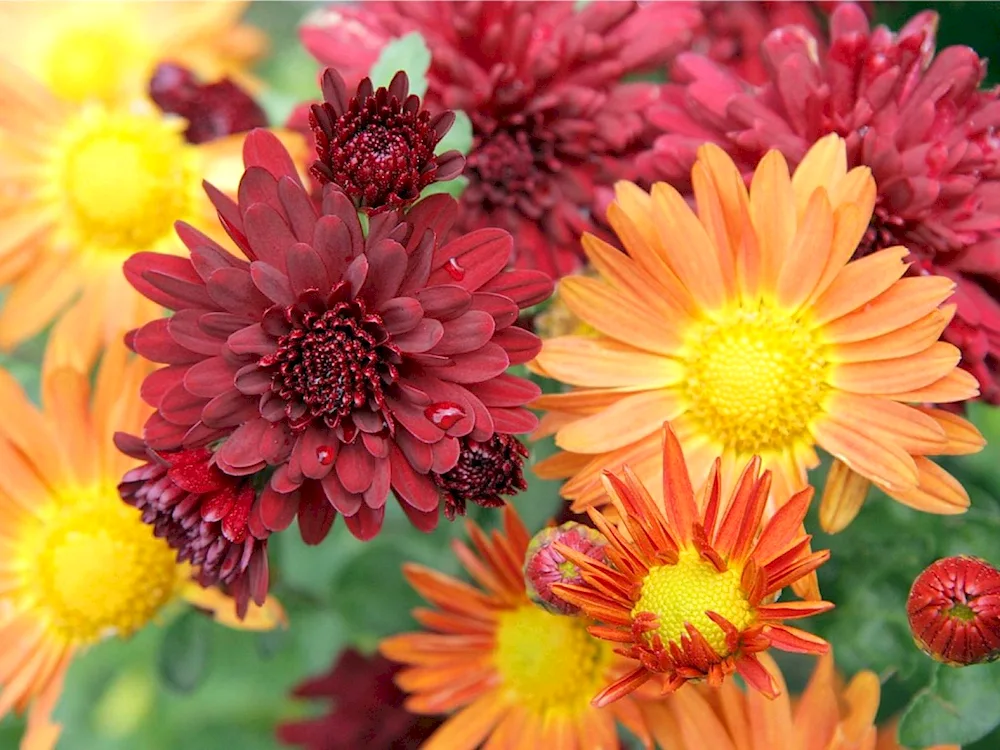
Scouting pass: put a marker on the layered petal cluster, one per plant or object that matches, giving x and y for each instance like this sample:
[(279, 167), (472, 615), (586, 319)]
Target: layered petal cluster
[(745, 323), (486, 473), (378, 145), (212, 110), (510, 673), (330, 363), (77, 565), (107, 51), (87, 186), (919, 119), (688, 589), (542, 85), (828, 715), (203, 514), (366, 709)]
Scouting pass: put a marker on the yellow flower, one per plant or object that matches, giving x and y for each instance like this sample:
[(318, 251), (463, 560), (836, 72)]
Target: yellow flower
[(744, 324), (77, 565), (85, 187), (829, 715), (107, 50)]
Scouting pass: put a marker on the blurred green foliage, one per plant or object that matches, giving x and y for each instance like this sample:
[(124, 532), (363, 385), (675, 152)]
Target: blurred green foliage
[(187, 682)]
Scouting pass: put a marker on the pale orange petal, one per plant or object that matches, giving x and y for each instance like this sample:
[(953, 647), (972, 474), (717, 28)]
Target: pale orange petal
[(629, 419), (817, 712), (937, 492), (905, 302), (858, 283), (771, 197), (581, 400), (862, 698), (843, 496), (712, 216), (963, 436), (957, 385), (824, 165), (37, 297), (699, 725), (897, 375), (908, 427), (600, 363), (879, 460), (806, 255), (470, 726), (916, 337)]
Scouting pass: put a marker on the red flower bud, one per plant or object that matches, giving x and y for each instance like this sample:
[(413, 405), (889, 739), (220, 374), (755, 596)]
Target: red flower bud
[(545, 566)]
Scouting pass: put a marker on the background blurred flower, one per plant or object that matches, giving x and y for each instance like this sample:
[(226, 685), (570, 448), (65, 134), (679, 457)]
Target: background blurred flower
[(377, 145), (76, 564), (351, 363), (688, 589), (366, 709), (918, 119), (510, 673), (745, 326), (107, 51), (542, 84), (954, 611)]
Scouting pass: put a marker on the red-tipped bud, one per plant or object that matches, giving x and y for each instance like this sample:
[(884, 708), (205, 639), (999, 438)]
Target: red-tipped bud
[(954, 611), (545, 566)]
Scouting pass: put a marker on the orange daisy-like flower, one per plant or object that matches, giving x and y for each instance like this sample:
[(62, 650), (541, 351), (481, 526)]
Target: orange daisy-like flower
[(77, 565), (514, 674), (107, 51), (829, 715), (86, 187), (689, 589), (743, 324)]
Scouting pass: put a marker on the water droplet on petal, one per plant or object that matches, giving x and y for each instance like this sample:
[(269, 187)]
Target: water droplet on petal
[(454, 270), (324, 454), (444, 414)]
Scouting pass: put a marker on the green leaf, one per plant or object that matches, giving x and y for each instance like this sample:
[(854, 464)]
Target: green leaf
[(408, 53), (958, 707), (459, 136), (454, 188), (183, 657)]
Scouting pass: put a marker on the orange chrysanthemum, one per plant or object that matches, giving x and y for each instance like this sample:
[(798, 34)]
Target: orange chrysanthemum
[(85, 188), (743, 324), (107, 51), (689, 589), (77, 565), (829, 715), (516, 675)]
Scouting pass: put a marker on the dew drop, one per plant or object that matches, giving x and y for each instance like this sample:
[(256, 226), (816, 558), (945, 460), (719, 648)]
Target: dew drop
[(444, 414), (324, 454), (454, 270)]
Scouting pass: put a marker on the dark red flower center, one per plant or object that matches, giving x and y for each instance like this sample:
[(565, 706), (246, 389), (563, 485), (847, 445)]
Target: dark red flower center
[(333, 363), (484, 473), (509, 167), (885, 229), (379, 152)]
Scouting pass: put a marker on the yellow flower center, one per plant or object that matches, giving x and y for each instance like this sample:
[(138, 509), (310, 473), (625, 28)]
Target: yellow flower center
[(549, 662), (683, 593), (92, 569), (94, 60), (123, 179), (755, 379)]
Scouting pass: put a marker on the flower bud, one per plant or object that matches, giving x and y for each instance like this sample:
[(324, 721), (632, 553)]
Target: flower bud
[(545, 566)]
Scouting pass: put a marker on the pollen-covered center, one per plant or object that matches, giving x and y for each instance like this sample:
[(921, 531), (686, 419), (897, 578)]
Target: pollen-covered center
[(755, 379), (332, 363), (123, 179), (683, 593), (92, 569), (549, 662)]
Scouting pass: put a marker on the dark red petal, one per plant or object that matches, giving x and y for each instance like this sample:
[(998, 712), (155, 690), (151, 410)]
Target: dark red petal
[(387, 264), (306, 270), (240, 454), (419, 454), (486, 363), (159, 382), (184, 329), (505, 390), (416, 489), (160, 435), (345, 502), (444, 301), (317, 449), (401, 314), (228, 410), (526, 288), (354, 467), (262, 148), (521, 345), (154, 342), (209, 378), (513, 421), (466, 333), (141, 263), (412, 417), (332, 242), (216, 506), (252, 340), (233, 290), (273, 283), (424, 337), (299, 209), (376, 495), (503, 309), (179, 406), (221, 324), (424, 521), (258, 186), (366, 523), (445, 455), (480, 255), (316, 515), (436, 213)]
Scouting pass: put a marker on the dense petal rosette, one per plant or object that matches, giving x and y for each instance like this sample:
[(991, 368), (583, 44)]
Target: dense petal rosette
[(339, 363)]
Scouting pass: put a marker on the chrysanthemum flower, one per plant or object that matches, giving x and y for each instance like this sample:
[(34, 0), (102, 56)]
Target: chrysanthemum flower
[(918, 119), (829, 715), (745, 326), (542, 84), (84, 188), (107, 51), (378, 145), (545, 565), (203, 514), (341, 364), (76, 564), (689, 589), (212, 110), (486, 472), (510, 673), (366, 711), (954, 611)]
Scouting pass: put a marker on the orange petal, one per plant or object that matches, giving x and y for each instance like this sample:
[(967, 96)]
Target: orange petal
[(911, 339), (910, 428), (37, 298), (560, 465), (824, 165), (881, 461), (699, 725), (937, 491), (905, 302), (858, 283), (467, 729), (771, 197), (957, 385), (581, 401), (599, 363), (806, 254), (861, 697), (962, 436), (897, 375), (843, 496), (626, 421), (712, 216), (678, 494)]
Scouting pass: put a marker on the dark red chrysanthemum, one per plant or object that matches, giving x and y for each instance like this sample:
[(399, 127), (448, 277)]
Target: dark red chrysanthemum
[(366, 709), (954, 611), (213, 110), (330, 364), (378, 145), (486, 471), (542, 84), (918, 119), (545, 565), (203, 514)]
